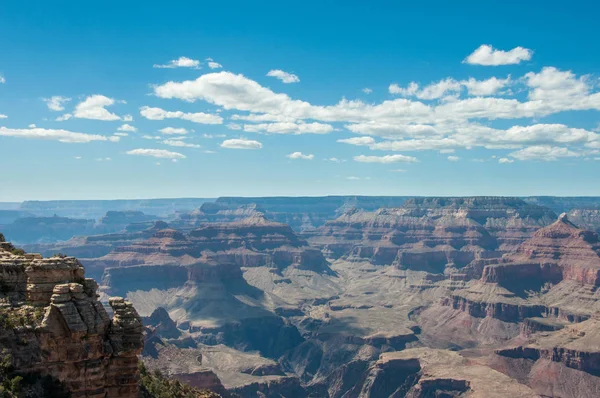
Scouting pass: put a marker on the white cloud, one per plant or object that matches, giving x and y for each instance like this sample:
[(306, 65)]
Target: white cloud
[(237, 92), (127, 127), (552, 84), (505, 160), (93, 107), (263, 118), (417, 144), (439, 89), (161, 114), (485, 87), (209, 136), (212, 64), (392, 130), (300, 155), (55, 103), (3, 116), (283, 76), (157, 153), (241, 143), (234, 126), (289, 128), (78, 157), (128, 118), (64, 117), (336, 160), (358, 141), (543, 152), (406, 92), (352, 178), (451, 86), (367, 90), (2, 79), (446, 151), (103, 159), (121, 134), (488, 56), (408, 124), (173, 130), (398, 171), (385, 159), (55, 135), (453, 158), (180, 143), (32, 126), (181, 62)]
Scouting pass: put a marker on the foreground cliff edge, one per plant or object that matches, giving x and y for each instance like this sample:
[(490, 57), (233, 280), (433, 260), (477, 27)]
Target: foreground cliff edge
[(54, 329)]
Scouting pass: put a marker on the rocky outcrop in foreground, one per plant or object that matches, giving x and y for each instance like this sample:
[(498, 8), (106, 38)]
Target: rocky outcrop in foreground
[(52, 325)]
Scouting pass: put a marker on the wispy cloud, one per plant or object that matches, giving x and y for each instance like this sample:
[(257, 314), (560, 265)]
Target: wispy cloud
[(55, 103), (55, 135), (181, 62), (358, 141), (179, 143), (241, 143), (212, 64), (300, 155), (127, 127), (543, 152), (174, 130), (385, 159), (157, 153), (161, 114), (283, 76)]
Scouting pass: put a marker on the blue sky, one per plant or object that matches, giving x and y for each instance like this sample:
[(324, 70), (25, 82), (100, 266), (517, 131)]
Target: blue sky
[(306, 98)]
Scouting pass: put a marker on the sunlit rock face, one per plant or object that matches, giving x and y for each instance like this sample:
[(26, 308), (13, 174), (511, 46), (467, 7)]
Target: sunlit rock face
[(54, 326), (437, 235)]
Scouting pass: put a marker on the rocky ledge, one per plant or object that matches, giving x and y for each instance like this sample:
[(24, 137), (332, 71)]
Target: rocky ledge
[(557, 363), (52, 325)]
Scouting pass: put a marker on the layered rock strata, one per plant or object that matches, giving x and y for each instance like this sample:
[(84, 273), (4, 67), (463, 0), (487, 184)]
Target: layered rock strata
[(52, 324), (211, 253), (432, 234), (549, 281)]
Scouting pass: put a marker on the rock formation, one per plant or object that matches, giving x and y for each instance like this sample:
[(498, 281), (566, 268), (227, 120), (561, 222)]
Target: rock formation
[(562, 363), (550, 280), (432, 234), (52, 324), (444, 297), (213, 252)]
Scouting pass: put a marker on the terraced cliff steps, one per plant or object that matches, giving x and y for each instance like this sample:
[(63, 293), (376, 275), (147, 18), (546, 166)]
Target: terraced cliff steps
[(432, 234), (52, 326)]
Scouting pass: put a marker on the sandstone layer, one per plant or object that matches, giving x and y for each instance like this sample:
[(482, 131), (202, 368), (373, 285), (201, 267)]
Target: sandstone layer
[(53, 325), (436, 235)]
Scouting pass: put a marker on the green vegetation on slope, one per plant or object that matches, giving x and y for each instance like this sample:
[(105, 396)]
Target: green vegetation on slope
[(26, 386), (155, 385)]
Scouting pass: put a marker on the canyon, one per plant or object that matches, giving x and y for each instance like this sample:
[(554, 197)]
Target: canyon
[(344, 297)]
